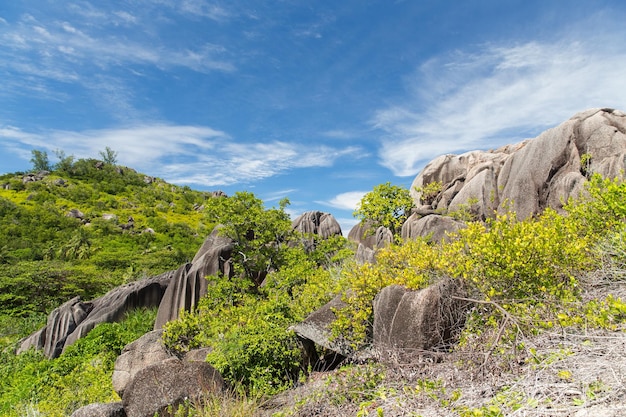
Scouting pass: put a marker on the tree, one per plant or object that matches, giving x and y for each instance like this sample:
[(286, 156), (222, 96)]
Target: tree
[(65, 163), (386, 205), (259, 234), (40, 160), (109, 156)]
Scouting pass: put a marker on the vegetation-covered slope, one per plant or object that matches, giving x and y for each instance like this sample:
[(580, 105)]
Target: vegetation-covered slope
[(552, 277)]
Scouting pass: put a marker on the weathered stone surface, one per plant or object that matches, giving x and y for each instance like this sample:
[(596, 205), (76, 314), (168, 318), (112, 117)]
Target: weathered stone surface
[(62, 322), (364, 255), (113, 306), (169, 382), (35, 341), (436, 226), (420, 320), (374, 239), (189, 282), (74, 319), (100, 410), (318, 223), (316, 327), (529, 176), (197, 355), (143, 352)]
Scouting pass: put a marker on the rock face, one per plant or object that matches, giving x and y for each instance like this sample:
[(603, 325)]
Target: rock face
[(529, 176), (170, 382), (318, 223), (143, 352), (373, 239), (74, 319), (436, 226), (100, 410), (316, 327), (189, 282), (421, 320)]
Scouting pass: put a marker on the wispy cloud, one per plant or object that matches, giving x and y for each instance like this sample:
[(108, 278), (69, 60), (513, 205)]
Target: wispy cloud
[(345, 201), (181, 154), (56, 45), (499, 94)]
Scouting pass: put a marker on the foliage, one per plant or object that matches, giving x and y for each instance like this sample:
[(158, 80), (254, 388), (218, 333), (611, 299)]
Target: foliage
[(109, 156), (63, 256), (259, 234), (247, 327), (386, 205), (40, 161), (429, 192), (80, 376)]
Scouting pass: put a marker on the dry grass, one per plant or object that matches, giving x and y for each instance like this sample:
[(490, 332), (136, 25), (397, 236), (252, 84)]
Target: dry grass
[(571, 372)]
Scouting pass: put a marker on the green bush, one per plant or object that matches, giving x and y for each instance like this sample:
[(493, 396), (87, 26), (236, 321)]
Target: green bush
[(31, 384)]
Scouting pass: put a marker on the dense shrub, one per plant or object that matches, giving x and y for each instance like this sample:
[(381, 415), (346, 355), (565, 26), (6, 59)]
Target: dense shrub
[(33, 385)]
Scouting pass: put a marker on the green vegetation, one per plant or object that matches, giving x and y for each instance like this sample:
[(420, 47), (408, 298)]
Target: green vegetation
[(33, 385), (524, 278), (386, 205), (68, 233)]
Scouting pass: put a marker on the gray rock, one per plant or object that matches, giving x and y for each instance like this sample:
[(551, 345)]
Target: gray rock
[(529, 176), (365, 234), (423, 320), (76, 214), (62, 322), (316, 327), (74, 319), (170, 382), (436, 226), (143, 352), (100, 410), (318, 223), (189, 282)]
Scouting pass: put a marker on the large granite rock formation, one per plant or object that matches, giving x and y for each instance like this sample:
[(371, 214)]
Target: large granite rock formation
[(143, 352), (422, 320), (189, 282), (317, 223), (74, 319), (170, 382), (529, 176)]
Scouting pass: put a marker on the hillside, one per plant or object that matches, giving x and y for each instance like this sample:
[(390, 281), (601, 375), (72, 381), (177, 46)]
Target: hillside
[(481, 312), (69, 232)]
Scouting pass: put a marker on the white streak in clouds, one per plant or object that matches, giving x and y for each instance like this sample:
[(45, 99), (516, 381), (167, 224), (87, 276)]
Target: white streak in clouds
[(500, 94), (346, 201), (180, 154)]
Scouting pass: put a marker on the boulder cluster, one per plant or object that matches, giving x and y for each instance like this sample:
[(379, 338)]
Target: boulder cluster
[(526, 177)]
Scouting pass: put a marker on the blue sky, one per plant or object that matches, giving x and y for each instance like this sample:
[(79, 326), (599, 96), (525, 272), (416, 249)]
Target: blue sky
[(317, 101)]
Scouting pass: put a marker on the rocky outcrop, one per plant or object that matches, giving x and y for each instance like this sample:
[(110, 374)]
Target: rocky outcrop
[(435, 226), (170, 382), (74, 319), (143, 352), (316, 330), (422, 320), (100, 410), (317, 223), (370, 237), (529, 176), (189, 282)]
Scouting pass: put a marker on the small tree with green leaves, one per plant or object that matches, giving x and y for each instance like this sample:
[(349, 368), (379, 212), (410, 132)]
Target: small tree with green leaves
[(386, 205), (260, 235), (109, 156), (40, 161)]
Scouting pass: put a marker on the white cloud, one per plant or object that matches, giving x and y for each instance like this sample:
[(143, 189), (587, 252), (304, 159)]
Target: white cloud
[(500, 94), (346, 201), (43, 40), (181, 154)]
